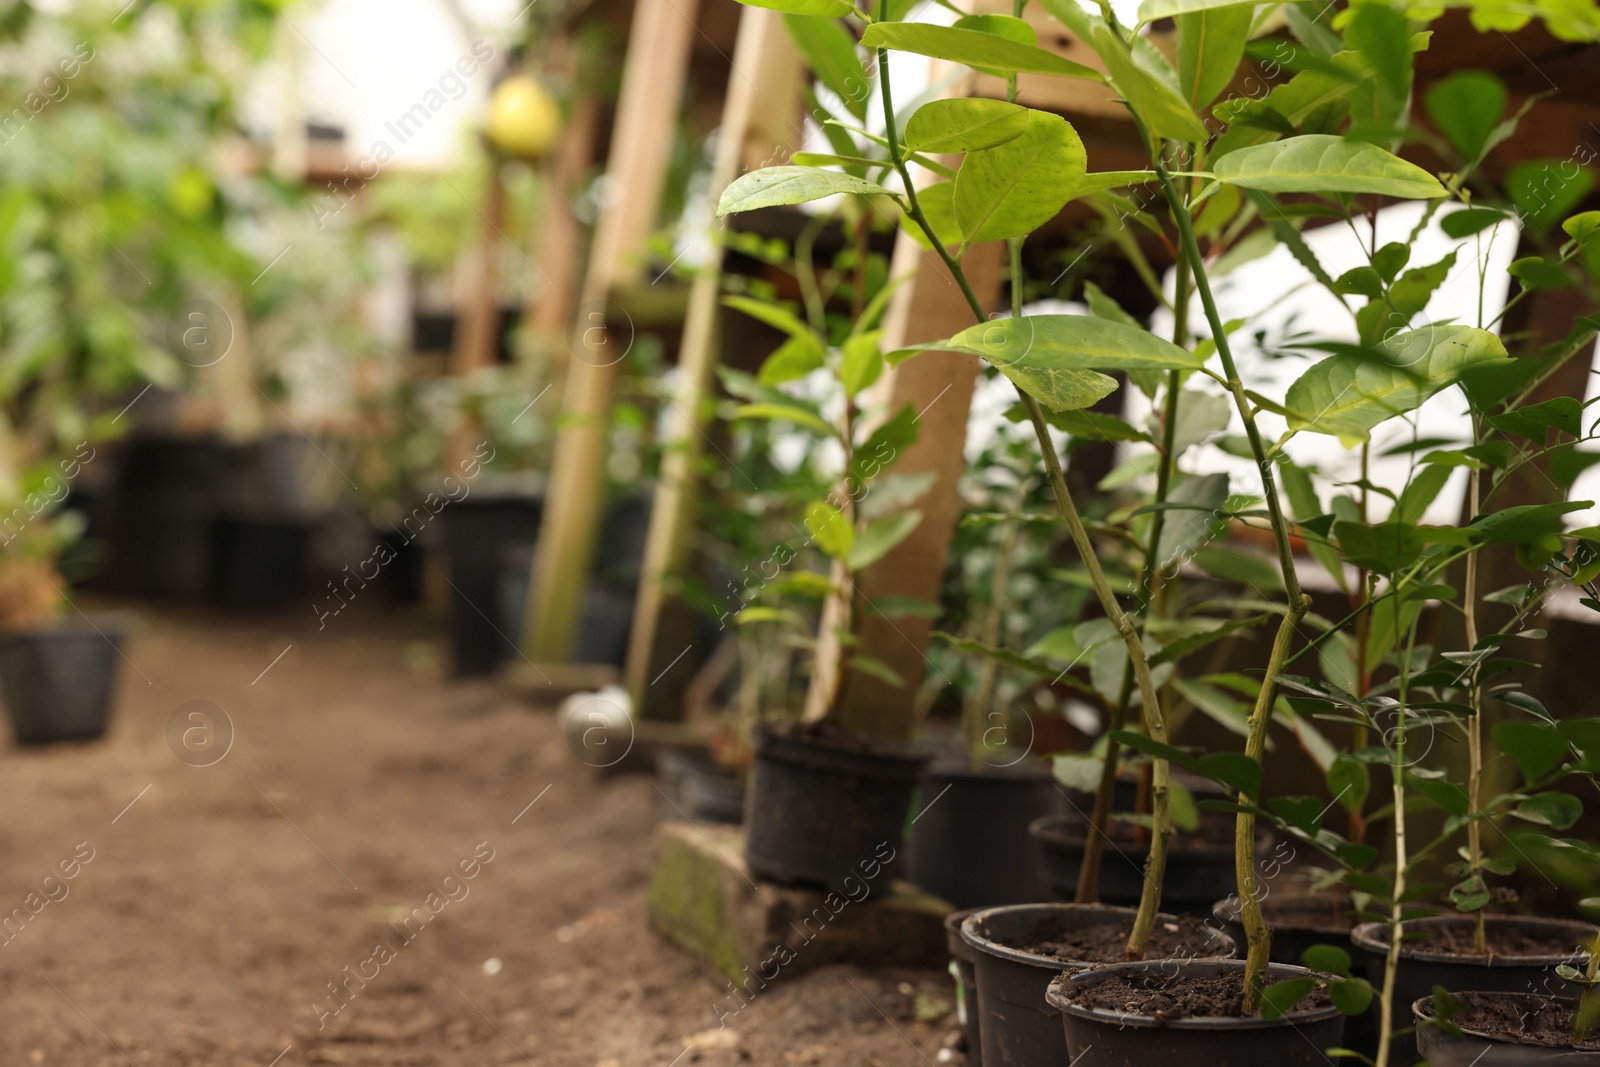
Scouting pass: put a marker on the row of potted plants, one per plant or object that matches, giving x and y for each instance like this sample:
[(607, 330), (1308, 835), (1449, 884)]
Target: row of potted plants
[(1399, 692)]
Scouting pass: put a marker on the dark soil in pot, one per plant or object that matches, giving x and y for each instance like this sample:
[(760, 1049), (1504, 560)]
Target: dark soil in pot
[(57, 682), (1021, 947), (1505, 1030), (1523, 954), (827, 807), (1185, 1013), (963, 961), (970, 844), (1199, 866)]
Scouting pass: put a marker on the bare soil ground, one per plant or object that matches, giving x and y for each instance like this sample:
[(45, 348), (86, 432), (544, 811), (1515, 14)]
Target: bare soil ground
[(221, 901)]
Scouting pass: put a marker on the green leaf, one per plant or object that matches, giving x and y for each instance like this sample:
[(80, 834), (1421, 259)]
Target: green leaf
[(964, 125), (1246, 568), (1349, 783), (828, 9), (830, 529), (1583, 226), (1441, 792), (1188, 528), (877, 669), (795, 358), (1555, 810), (1210, 45), (1279, 998), (1536, 272), (1352, 391), (1321, 163), (880, 537), (776, 186), (1470, 220), (1151, 10), (1466, 106), (974, 48), (1523, 523), (830, 50), (1543, 193), (862, 362), (1016, 187), (1563, 413), (1378, 33), (1384, 549), (1233, 769), (788, 412), (1329, 959), (1161, 106), (999, 655), (1421, 491), (939, 208), (1352, 996), (758, 614), (1536, 748)]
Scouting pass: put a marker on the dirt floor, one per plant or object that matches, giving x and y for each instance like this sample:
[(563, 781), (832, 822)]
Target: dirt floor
[(210, 907)]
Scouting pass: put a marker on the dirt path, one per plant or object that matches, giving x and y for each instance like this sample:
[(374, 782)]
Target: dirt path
[(211, 906)]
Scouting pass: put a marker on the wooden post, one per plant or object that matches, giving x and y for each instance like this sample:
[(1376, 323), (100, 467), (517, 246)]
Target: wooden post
[(927, 307), (558, 245), (757, 119), (641, 143)]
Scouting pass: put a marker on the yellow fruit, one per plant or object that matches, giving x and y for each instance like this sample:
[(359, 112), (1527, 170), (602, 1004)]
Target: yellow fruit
[(524, 119)]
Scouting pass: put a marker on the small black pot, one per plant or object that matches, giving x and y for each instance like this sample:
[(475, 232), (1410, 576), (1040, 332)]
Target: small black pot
[(1017, 1025), (476, 528), (1196, 875), (1099, 1038), (696, 786), (827, 814), (964, 959), (1420, 970), (258, 562), (1483, 1050), (970, 845), (57, 683)]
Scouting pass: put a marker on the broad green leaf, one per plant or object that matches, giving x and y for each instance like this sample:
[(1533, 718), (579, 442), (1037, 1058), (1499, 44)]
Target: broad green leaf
[(1466, 106), (1188, 528), (1385, 548), (773, 315), (893, 493), (828, 9), (1350, 392), (1210, 45), (876, 668), (939, 208), (1016, 187), (1246, 568), (776, 186), (964, 125), (1420, 492), (999, 655), (830, 50), (1007, 27), (1352, 996), (1536, 748), (1523, 523), (1324, 164), (1544, 192), (973, 48), (1329, 959), (1536, 272), (1280, 998), (1161, 107), (862, 362), (1151, 10), (1471, 220), (1056, 358), (829, 529), (1379, 34), (794, 359), (788, 412), (1100, 181), (1564, 413), (1233, 769), (879, 538), (1555, 810)]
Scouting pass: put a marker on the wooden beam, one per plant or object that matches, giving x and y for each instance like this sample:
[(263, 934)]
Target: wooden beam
[(758, 117), (558, 245), (641, 145), (928, 307)]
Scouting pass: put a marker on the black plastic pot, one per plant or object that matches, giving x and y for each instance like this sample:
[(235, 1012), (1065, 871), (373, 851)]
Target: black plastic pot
[(1420, 970), (57, 682), (970, 844), (475, 530), (1476, 1049), (165, 494), (700, 788), (964, 959), (257, 562), (1297, 921), (1197, 875), (1016, 1024), (824, 814), (1096, 1037)]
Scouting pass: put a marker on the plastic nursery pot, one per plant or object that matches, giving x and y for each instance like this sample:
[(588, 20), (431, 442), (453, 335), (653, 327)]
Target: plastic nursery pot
[(476, 528), (57, 682), (1102, 1037), (827, 807), (1016, 1024), (1198, 873), (970, 844), (258, 562), (1511, 967), (963, 958), (1517, 1041), (696, 786)]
